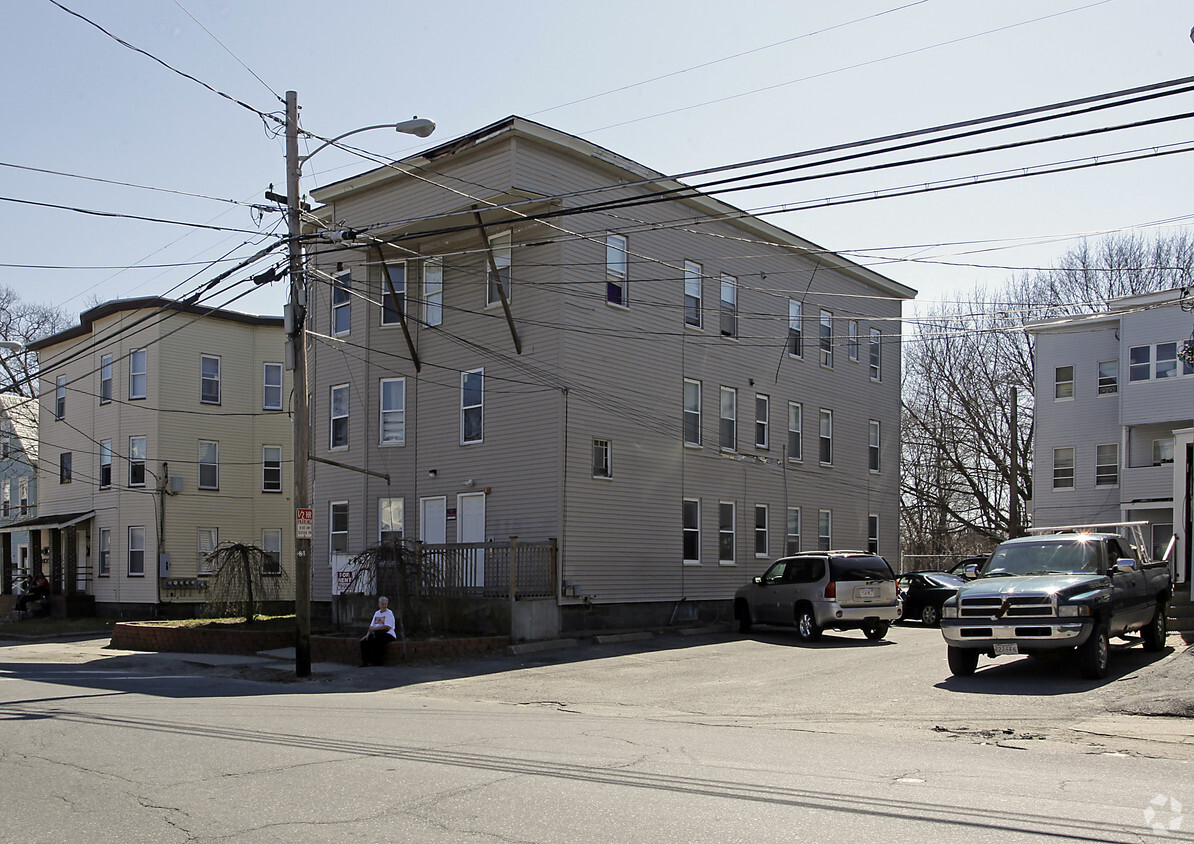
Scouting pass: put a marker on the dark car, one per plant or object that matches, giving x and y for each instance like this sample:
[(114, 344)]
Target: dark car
[(959, 568), (925, 591)]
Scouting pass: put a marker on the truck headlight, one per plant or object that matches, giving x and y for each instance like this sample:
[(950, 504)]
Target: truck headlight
[(1073, 610), (949, 611)]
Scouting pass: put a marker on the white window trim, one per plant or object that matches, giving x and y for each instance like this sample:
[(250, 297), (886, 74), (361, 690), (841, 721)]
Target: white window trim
[(615, 274), (721, 396), (381, 413), (501, 248), (103, 553), (265, 468), (341, 281), (694, 279), (699, 415), (332, 417), (765, 445), (728, 307), (202, 568), (106, 380), (265, 547), (1058, 382), (825, 339), (144, 461), (403, 293), (1099, 386), (825, 413), (852, 341), (133, 373), (202, 463), (381, 509), (266, 385), (766, 552), (799, 529), (333, 533), (874, 446), (875, 518), (697, 561), (828, 520), (609, 459), (219, 379), (1099, 465), (798, 430), (875, 356), (795, 325), (128, 562), (433, 300), (1073, 469), (733, 533), (464, 408)]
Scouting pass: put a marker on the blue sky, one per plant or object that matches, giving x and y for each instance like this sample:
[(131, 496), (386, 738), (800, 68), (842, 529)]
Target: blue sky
[(677, 85)]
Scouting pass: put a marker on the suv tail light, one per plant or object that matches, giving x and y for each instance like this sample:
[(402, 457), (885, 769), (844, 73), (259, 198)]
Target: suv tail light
[(831, 589)]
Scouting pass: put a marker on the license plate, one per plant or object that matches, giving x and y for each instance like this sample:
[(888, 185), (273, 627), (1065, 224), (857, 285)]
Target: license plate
[(866, 592), (1007, 650)]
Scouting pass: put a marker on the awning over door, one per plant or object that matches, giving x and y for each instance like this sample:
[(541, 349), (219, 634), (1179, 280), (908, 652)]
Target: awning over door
[(56, 522)]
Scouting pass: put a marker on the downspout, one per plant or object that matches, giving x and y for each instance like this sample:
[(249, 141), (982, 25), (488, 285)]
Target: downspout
[(160, 501)]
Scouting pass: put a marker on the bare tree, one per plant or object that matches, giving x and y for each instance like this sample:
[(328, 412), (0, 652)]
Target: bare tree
[(23, 323), (958, 472)]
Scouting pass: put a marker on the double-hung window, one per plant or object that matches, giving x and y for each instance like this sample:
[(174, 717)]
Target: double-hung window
[(826, 437), (872, 533), (499, 249), (873, 448), (824, 530), (826, 338), (792, 537), (271, 387), (5, 498), (393, 294), (761, 530), (602, 459), (1063, 468), (136, 551), (209, 464), (1108, 377), (206, 540), (692, 294), (338, 527), (472, 406), (137, 447), (338, 427), (1063, 382), (729, 419), (691, 515), (65, 460), (433, 290), (762, 421), (795, 437), (60, 397), (105, 464), (692, 412), (725, 532), (795, 329), (616, 270), (209, 390), (271, 468), (852, 342), (876, 358), (390, 520), (1107, 464), (729, 306), (139, 374), (1162, 451), (105, 552), (105, 390), (393, 411), (271, 544), (341, 303)]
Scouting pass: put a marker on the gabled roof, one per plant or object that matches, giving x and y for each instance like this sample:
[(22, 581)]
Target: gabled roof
[(515, 126), (89, 317)]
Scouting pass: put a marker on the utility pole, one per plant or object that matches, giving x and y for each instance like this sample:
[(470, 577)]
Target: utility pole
[(1014, 508), (298, 347)]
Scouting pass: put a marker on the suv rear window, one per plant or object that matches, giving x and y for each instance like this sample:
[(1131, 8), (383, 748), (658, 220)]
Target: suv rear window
[(860, 568)]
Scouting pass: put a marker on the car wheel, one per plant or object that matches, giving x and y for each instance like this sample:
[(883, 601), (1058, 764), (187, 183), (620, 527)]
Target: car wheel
[(930, 615), (1095, 654), (742, 612), (877, 630), (962, 661), (1154, 634), (806, 625)]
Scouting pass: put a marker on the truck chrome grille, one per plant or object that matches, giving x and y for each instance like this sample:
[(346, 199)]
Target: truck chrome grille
[(1015, 606)]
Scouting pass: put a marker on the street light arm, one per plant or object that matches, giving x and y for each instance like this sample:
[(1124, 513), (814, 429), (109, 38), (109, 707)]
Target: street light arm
[(419, 126)]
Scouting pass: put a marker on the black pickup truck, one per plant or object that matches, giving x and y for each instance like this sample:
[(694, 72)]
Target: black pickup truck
[(1068, 590)]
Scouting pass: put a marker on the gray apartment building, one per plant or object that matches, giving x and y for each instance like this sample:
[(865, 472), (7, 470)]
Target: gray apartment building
[(531, 336), (18, 488), (1113, 416)]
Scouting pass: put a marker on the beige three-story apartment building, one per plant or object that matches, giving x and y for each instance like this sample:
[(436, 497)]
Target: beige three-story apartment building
[(674, 391), (163, 431)]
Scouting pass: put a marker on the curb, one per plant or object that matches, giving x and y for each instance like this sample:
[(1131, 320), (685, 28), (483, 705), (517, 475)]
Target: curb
[(536, 647)]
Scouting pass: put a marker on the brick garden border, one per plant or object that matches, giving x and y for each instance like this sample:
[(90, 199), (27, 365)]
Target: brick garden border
[(148, 636)]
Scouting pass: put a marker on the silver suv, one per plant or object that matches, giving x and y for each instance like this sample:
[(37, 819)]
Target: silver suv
[(816, 590)]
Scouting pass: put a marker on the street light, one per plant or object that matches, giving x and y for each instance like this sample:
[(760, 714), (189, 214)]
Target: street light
[(12, 346), (296, 317)]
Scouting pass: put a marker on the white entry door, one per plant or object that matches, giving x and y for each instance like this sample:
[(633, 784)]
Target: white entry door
[(433, 520), (470, 527)]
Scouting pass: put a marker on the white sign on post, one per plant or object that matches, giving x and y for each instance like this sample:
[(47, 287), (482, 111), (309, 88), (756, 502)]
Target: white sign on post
[(302, 525)]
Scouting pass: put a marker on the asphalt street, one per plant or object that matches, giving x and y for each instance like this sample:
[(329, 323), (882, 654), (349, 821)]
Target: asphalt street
[(715, 736)]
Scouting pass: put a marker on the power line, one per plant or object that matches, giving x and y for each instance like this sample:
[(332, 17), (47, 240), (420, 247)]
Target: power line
[(115, 214), (229, 51)]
